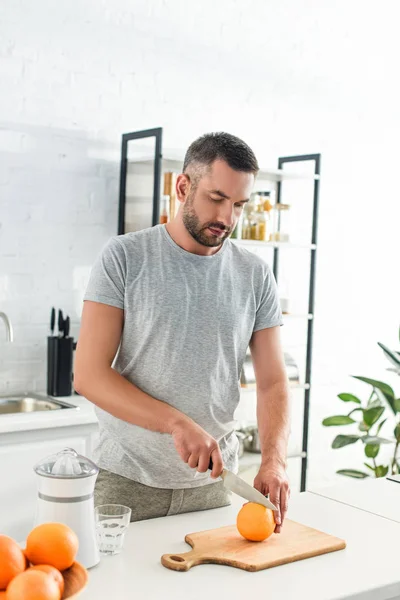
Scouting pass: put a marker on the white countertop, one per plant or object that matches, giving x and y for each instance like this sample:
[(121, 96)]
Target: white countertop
[(368, 569), (378, 496), (46, 419)]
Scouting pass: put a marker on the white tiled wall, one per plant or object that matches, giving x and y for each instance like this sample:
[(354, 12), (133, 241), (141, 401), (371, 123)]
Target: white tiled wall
[(287, 77)]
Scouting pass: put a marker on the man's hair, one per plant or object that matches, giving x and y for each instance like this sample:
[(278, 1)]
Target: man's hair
[(219, 146)]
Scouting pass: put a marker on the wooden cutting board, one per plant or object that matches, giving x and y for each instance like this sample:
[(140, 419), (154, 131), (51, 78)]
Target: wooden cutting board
[(225, 546)]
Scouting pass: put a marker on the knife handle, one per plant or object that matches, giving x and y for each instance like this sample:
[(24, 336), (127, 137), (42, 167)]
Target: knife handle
[(66, 327), (60, 323), (52, 320)]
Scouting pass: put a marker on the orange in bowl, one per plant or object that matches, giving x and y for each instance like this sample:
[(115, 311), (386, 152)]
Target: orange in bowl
[(255, 522), (12, 560), (52, 544), (33, 585), (53, 572)]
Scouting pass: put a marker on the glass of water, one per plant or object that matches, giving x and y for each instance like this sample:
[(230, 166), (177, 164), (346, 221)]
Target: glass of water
[(112, 520)]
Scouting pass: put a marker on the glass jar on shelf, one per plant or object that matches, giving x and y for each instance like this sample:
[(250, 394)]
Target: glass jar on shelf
[(237, 232), (280, 223), (260, 221), (246, 222), (164, 209), (258, 224)]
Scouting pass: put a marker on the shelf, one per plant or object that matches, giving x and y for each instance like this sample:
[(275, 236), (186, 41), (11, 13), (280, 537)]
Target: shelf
[(282, 175), (309, 317), (259, 244), (251, 387), (251, 459), (175, 160)]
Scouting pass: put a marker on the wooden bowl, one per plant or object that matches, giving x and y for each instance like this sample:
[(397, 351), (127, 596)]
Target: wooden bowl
[(75, 580)]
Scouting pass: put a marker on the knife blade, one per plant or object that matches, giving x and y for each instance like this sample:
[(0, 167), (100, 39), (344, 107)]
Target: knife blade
[(238, 486)]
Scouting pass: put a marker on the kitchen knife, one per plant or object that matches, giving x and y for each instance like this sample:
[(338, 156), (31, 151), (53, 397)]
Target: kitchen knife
[(236, 485), (52, 320)]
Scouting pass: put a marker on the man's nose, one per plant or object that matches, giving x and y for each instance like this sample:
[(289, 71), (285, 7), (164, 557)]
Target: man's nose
[(226, 215)]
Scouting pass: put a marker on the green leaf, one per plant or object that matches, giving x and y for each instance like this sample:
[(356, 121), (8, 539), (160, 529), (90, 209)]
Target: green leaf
[(352, 473), (397, 432), (380, 426), (371, 450), (349, 398), (384, 388), (393, 356), (363, 426), (372, 415), (374, 439), (344, 440), (381, 471), (397, 404), (337, 420)]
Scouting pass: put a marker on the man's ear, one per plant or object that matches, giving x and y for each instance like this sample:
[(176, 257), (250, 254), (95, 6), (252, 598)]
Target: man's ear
[(182, 187)]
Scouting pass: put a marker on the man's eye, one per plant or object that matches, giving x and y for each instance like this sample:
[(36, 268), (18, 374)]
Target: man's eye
[(239, 205)]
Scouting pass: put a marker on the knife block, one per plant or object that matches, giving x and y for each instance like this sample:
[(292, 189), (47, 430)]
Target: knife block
[(59, 365)]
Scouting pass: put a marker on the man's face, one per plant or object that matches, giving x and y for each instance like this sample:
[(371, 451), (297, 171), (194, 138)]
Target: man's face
[(211, 211)]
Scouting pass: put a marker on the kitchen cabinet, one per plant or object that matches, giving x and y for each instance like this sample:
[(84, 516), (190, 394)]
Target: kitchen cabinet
[(19, 452)]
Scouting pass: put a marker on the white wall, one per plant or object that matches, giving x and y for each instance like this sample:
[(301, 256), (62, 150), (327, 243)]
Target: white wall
[(289, 77)]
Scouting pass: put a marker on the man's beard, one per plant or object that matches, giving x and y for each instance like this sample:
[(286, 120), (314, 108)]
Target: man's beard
[(199, 231)]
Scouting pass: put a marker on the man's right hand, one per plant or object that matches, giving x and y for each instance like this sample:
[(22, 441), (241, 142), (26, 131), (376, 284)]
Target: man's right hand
[(195, 446)]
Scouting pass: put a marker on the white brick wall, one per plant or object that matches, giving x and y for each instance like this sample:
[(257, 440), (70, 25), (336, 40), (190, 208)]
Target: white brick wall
[(288, 77)]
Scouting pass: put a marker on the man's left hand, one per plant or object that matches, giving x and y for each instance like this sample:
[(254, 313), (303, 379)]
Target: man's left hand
[(272, 480)]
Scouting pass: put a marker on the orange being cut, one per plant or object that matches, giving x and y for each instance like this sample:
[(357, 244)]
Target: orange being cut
[(255, 522)]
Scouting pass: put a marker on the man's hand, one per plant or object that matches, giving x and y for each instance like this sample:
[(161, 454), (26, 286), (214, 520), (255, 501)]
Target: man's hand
[(272, 480), (195, 446)]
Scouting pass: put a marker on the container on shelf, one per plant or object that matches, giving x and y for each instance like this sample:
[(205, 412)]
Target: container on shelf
[(237, 232), (284, 290), (280, 223), (164, 209), (246, 222), (259, 208), (169, 190)]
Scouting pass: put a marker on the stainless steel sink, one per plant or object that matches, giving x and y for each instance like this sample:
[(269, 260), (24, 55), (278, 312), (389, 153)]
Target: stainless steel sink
[(27, 403)]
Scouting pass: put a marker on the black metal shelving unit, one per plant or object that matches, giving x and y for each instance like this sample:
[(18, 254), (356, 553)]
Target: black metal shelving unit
[(316, 158), (153, 208), (155, 205)]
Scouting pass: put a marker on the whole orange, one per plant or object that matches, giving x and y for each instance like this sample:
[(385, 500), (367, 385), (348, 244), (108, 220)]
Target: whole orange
[(12, 560), (255, 522), (33, 585), (53, 572), (52, 544)]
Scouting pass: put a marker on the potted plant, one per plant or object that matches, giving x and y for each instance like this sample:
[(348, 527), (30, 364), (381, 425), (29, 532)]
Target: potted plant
[(369, 418)]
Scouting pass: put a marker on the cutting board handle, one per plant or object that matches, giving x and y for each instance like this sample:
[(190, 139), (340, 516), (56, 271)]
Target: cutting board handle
[(181, 562)]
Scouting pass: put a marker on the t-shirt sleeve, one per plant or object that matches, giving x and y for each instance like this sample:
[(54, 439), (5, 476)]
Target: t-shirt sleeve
[(269, 313), (108, 274)]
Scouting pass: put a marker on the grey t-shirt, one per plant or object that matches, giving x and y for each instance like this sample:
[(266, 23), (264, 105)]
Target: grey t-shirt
[(188, 324)]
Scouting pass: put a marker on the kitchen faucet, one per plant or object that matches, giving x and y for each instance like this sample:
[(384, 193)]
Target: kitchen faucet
[(9, 329)]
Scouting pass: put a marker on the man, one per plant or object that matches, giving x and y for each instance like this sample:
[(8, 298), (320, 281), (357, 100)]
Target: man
[(179, 305)]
